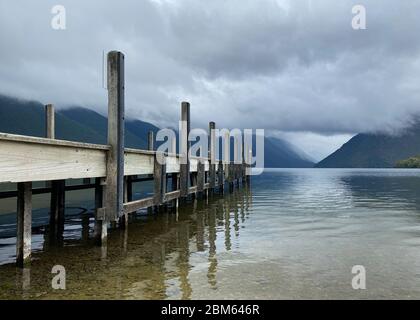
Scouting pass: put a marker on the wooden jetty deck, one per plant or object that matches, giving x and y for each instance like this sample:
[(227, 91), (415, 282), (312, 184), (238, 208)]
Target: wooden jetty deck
[(114, 168)]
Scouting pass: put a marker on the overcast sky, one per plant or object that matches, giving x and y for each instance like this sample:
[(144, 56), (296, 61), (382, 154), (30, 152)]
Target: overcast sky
[(295, 68)]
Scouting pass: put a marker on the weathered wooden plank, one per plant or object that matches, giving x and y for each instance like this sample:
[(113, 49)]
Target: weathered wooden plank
[(138, 204), (172, 164), (138, 163), (115, 158), (173, 195), (21, 161), (40, 159), (24, 223)]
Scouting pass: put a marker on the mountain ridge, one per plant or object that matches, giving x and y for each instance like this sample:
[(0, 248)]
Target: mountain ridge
[(77, 123), (375, 150)]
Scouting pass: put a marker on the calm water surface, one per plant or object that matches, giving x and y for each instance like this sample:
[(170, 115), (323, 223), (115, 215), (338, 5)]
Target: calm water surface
[(292, 234)]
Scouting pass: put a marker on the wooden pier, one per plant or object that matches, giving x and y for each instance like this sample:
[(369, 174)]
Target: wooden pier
[(114, 168)]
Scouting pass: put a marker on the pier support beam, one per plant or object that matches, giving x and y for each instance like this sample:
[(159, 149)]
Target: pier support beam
[(201, 176), (114, 202), (101, 227), (57, 201), (24, 224), (175, 186), (57, 209), (184, 175), (159, 174), (221, 177)]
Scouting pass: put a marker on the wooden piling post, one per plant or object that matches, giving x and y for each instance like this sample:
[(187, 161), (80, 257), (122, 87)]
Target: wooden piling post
[(221, 176), (159, 175), (58, 192), (57, 207), (150, 141), (115, 159), (101, 227), (24, 224), (249, 167), (201, 176), (236, 161), (228, 165), (49, 121), (243, 166), (184, 149), (212, 156)]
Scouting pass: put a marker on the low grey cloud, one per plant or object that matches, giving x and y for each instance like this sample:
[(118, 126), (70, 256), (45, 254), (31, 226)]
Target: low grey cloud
[(290, 66)]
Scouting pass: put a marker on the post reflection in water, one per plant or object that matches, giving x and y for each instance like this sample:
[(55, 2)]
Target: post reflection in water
[(297, 236), (155, 257)]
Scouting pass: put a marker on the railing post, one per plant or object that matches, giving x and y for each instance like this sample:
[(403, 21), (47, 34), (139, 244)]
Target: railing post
[(212, 156), (184, 149), (150, 141), (49, 121), (114, 208), (24, 224)]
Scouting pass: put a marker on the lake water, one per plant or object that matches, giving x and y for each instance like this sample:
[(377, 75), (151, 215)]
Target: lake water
[(294, 233)]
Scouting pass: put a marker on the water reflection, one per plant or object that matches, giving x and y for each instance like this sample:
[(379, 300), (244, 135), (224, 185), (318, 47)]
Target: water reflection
[(297, 235), (148, 260)]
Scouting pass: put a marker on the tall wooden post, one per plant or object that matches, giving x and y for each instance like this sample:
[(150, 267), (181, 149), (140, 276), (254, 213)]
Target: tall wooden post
[(115, 159), (228, 165), (184, 149), (150, 141), (49, 121), (243, 165), (159, 176), (58, 192), (24, 224), (212, 156)]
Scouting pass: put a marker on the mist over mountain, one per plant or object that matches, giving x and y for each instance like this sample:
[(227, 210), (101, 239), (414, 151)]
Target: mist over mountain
[(84, 125), (375, 150)]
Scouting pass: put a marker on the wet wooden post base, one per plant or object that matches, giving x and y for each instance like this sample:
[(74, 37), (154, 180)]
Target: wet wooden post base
[(24, 224), (114, 200)]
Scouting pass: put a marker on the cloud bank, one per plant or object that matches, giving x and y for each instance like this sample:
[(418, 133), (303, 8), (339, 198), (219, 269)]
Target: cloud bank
[(290, 66)]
